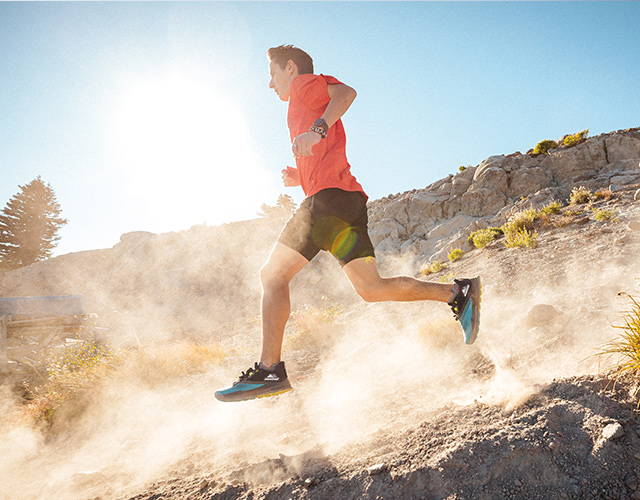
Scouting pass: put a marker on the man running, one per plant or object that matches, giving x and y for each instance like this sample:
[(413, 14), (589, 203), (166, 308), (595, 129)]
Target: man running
[(333, 217)]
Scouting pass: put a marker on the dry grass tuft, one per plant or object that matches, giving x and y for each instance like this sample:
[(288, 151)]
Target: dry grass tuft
[(518, 231), (80, 370), (580, 196), (434, 267), (626, 348), (312, 327)]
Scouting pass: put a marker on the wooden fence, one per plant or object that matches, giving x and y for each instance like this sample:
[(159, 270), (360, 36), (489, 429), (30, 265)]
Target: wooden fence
[(31, 326)]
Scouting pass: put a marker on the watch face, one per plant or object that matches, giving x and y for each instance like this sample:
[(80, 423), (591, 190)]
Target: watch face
[(320, 123)]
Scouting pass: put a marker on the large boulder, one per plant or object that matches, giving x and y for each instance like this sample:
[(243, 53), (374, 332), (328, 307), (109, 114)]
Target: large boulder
[(525, 181), (621, 147), (483, 202), (572, 165), (492, 178)]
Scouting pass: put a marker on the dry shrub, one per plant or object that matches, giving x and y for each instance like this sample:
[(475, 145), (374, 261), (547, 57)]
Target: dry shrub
[(79, 371), (552, 208), (521, 238), (604, 215), (603, 194), (482, 237), (456, 254), (312, 326), (575, 139), (580, 195), (434, 267), (518, 231), (626, 348)]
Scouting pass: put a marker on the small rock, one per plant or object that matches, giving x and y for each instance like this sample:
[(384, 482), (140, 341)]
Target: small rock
[(541, 315), (632, 483), (376, 469), (613, 431), (311, 481), (203, 484), (552, 445), (636, 196), (634, 225), (518, 483)]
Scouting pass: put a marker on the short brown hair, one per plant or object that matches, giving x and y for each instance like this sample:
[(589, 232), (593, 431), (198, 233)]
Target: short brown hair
[(285, 53)]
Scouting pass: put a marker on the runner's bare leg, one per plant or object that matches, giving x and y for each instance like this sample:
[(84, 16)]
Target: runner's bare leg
[(276, 275), (364, 276)]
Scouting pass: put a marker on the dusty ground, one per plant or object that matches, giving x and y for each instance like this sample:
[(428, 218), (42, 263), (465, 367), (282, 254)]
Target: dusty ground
[(576, 438), (505, 422), (388, 402)]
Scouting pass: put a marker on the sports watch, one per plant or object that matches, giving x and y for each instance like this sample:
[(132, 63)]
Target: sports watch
[(320, 127)]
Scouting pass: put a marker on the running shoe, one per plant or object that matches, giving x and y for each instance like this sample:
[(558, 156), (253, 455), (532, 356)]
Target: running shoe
[(465, 304), (256, 382)]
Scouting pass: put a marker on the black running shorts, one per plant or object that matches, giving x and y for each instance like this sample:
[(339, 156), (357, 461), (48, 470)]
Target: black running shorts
[(332, 220)]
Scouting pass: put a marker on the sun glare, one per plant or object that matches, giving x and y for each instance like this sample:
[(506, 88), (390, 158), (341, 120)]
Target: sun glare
[(187, 154)]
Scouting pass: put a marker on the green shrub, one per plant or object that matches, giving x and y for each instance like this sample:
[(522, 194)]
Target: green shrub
[(455, 254), (521, 237), (434, 267), (80, 369), (603, 215), (543, 147), (521, 220), (552, 208), (576, 138), (482, 237), (518, 230), (579, 196)]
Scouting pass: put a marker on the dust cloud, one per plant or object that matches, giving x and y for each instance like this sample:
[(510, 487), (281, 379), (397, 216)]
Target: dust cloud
[(380, 367)]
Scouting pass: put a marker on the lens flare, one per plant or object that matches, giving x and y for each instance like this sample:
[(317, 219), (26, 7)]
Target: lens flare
[(336, 236)]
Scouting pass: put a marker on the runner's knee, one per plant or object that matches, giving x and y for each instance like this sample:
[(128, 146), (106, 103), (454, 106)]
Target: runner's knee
[(271, 275), (368, 292)]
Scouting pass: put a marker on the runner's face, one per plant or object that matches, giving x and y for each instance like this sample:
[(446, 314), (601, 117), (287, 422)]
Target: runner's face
[(281, 78)]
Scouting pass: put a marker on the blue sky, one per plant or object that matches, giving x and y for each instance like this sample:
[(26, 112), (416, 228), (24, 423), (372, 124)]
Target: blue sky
[(156, 116)]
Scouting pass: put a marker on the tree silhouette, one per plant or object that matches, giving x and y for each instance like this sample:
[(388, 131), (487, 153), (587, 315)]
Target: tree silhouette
[(29, 225), (283, 208)]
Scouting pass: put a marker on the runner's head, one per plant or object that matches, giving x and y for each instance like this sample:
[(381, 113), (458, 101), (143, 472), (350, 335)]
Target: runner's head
[(285, 63)]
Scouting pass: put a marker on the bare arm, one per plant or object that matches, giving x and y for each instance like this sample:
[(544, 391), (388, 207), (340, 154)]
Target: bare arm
[(341, 98)]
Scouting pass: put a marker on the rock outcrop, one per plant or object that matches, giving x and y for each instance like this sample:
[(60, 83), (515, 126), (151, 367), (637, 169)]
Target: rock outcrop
[(428, 223)]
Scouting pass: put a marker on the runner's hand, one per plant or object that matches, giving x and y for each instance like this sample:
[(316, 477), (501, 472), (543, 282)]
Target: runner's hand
[(303, 144), (290, 177)]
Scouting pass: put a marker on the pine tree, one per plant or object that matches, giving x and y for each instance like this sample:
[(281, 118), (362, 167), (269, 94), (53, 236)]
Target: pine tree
[(283, 208), (29, 225)]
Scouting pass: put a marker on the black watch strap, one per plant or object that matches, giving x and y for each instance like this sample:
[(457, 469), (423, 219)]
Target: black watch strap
[(320, 127)]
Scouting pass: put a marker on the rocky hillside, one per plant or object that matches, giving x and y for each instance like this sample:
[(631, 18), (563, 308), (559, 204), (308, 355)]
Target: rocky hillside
[(429, 222), (193, 279), (388, 402)]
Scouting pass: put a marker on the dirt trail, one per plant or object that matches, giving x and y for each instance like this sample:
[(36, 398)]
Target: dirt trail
[(388, 402), (521, 414)]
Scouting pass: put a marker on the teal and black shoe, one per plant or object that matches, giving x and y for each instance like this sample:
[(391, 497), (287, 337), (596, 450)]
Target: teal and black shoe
[(465, 303), (256, 382)]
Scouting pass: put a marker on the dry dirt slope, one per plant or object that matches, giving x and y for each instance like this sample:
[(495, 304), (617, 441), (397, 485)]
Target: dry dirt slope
[(388, 402), (506, 420)]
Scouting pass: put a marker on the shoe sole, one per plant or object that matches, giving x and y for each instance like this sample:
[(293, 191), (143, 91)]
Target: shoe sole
[(255, 396), (474, 335)]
